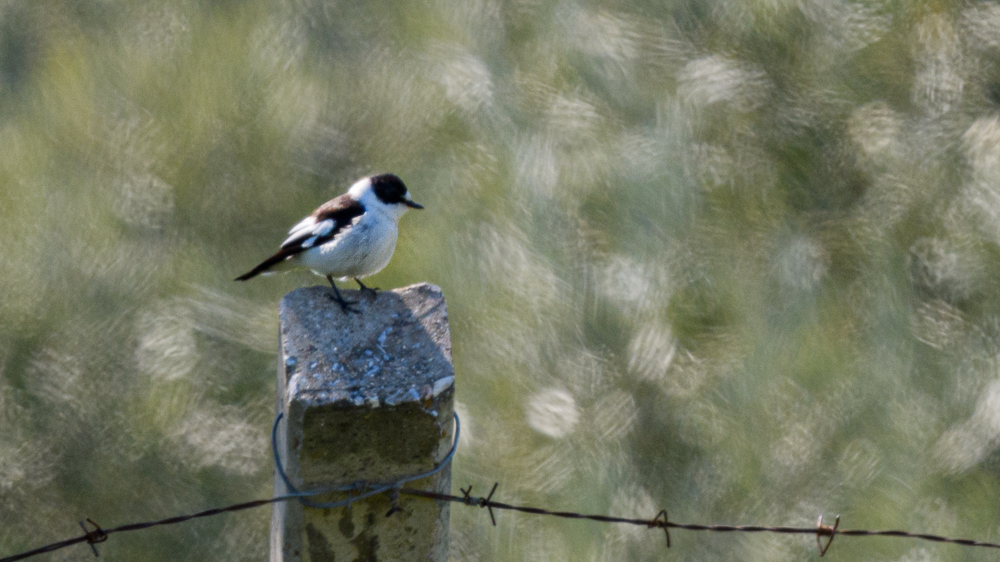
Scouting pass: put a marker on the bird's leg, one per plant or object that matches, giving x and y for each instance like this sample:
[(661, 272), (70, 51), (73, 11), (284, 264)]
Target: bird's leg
[(345, 305), (373, 291)]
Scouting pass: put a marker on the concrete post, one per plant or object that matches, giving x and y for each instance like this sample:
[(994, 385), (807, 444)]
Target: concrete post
[(366, 397)]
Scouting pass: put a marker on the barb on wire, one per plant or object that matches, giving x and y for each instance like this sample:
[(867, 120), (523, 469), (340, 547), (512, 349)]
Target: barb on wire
[(467, 499), (822, 530), (665, 525), (95, 536)]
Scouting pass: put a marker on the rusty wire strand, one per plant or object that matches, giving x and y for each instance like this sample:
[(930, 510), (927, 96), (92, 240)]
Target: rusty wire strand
[(100, 535), (660, 521)]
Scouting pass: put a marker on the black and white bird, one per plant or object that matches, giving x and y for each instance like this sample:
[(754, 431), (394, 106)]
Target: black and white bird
[(348, 237)]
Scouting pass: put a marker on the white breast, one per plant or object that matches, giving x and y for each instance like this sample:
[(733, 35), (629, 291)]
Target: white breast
[(364, 248)]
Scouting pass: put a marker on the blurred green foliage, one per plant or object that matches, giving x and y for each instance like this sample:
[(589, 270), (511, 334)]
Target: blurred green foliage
[(737, 259)]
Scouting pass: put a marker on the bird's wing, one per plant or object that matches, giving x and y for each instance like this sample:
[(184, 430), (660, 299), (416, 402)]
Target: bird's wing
[(323, 225), (320, 227)]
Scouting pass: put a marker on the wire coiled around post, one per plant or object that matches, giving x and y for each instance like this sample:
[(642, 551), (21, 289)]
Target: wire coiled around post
[(356, 486)]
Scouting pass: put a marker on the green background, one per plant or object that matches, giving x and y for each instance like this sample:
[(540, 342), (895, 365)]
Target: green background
[(737, 259)]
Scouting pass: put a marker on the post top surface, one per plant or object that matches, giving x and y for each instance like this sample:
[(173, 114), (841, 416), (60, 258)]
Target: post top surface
[(398, 349)]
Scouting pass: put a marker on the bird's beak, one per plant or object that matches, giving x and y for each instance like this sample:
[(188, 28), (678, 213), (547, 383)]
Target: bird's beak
[(410, 203)]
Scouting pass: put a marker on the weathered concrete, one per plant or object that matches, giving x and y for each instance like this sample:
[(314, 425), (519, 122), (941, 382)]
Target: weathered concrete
[(366, 397)]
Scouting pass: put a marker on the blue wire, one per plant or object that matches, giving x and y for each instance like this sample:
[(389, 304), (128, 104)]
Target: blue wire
[(295, 493)]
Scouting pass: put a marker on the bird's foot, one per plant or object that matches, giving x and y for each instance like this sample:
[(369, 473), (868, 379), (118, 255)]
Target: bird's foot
[(345, 305), (373, 291)]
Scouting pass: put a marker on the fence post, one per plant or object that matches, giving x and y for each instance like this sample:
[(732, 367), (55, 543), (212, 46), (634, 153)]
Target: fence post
[(366, 397)]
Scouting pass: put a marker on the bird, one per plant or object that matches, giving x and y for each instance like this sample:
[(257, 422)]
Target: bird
[(349, 237)]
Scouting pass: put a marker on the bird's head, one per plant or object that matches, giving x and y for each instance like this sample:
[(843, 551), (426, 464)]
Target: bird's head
[(385, 190)]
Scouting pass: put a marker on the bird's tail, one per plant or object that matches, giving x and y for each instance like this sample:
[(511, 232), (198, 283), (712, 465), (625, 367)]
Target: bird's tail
[(272, 263)]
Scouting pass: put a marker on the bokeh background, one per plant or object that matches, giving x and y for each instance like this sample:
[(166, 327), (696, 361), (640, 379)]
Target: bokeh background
[(733, 258)]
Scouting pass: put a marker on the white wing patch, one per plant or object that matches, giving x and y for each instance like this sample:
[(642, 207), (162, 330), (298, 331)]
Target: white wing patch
[(323, 228), (299, 229), (309, 227)]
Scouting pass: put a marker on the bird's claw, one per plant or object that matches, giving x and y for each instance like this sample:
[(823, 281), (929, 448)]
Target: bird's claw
[(345, 305), (373, 291)]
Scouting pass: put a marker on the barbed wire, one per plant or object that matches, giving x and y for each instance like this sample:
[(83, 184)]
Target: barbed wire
[(661, 521), (365, 489)]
